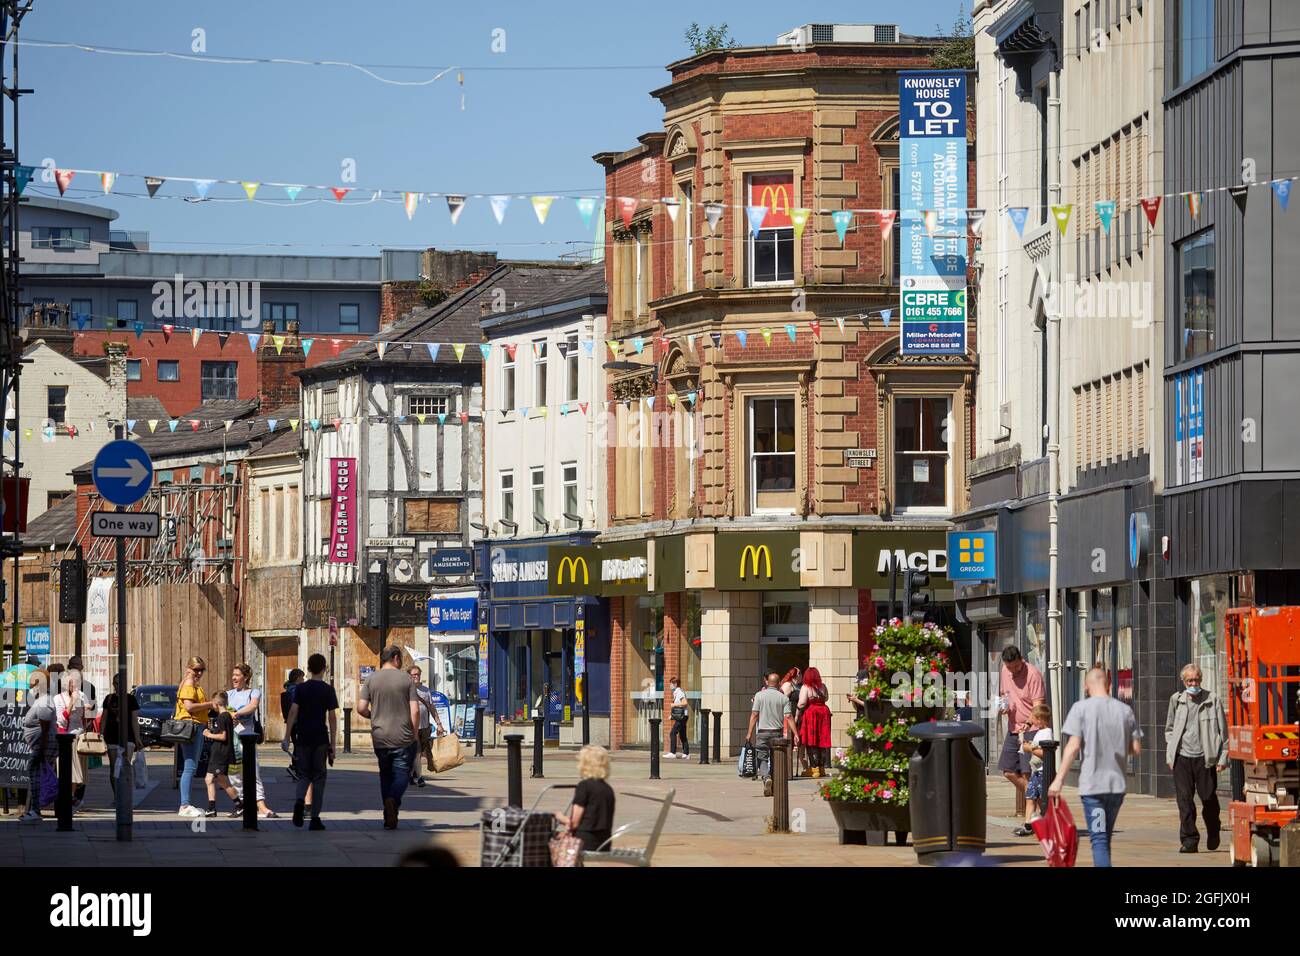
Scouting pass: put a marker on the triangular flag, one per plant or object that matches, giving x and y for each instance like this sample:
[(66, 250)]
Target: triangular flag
[(486, 349), (930, 218), (626, 209), (975, 221), (1282, 189), (1152, 208), (455, 206), (420, 419), (743, 336), (464, 418), (717, 339), (106, 180), (228, 423), (511, 348), (690, 343), (339, 192), (613, 346), (409, 202), (194, 424), (816, 328), (799, 219), (583, 406), (638, 343), (315, 424), (756, 216), (279, 343), (433, 348), (524, 411), (712, 213), (167, 331), (887, 217), (222, 339), (459, 349), (250, 189), (564, 409), (271, 423), (195, 335), (672, 399), (201, 186), (839, 320), (381, 347), (335, 344), (886, 314), (63, 177), (253, 339), (542, 410), (672, 207), (841, 218), (586, 207), (499, 204), (336, 422), (1062, 216), (23, 176), (139, 328), (442, 418), (293, 424), (292, 192), (172, 424), (1105, 212), (650, 401), (1019, 215), (81, 319), (306, 347), (152, 423), (1239, 195), (790, 330), (767, 336), (542, 206), (1194, 204)]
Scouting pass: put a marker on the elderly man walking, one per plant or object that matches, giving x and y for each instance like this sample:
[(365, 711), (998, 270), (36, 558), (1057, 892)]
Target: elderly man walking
[(1196, 749)]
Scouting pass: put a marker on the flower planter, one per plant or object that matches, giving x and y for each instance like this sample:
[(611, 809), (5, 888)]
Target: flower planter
[(869, 824)]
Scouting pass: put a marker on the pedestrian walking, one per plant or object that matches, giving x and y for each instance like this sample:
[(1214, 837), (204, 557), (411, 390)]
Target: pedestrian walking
[(120, 746), (1196, 750), (1020, 690), (70, 710), (389, 701), (428, 718), (39, 733), (680, 713), (192, 704), (591, 816), (286, 702), (314, 703), (220, 734), (1106, 732), (245, 701), (814, 722), (769, 720), (1040, 733), (791, 685)]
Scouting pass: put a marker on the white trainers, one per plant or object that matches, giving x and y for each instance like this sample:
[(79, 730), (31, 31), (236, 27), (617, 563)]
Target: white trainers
[(683, 756), (31, 816), (667, 754), (188, 811)]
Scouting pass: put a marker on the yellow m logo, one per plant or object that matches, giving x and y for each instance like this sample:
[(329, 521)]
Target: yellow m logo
[(572, 564), (752, 555), (775, 198)]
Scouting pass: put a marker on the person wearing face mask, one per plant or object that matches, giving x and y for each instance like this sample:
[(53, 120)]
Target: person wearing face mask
[(1196, 749)]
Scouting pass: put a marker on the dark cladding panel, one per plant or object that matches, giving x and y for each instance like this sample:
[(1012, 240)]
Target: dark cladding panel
[(1280, 436), (1263, 520)]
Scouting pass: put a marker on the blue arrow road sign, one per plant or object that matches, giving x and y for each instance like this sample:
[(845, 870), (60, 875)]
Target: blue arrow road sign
[(123, 472)]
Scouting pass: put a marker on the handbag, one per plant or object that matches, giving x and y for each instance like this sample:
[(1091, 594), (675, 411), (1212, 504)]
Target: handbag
[(447, 753), (91, 744), (177, 731), (566, 849), (1057, 833), (140, 770), (746, 766), (678, 713)]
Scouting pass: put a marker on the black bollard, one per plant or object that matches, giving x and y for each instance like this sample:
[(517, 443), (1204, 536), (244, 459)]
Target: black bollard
[(249, 772), (1049, 767), (478, 730), (780, 751), (654, 747), (347, 730), (63, 801), (538, 733), (704, 736), (717, 736), (586, 718), (514, 770), (178, 766)]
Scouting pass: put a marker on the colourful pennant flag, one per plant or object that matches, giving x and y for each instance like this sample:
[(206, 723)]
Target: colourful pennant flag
[(195, 335), (499, 204), (228, 423), (542, 207), (712, 214), (1194, 204), (1282, 189), (201, 186), (63, 178), (486, 349), (790, 330), (586, 207), (292, 192), (23, 176), (173, 423), (841, 218), (626, 209), (339, 192), (455, 206), (250, 189), (887, 217), (767, 336), (717, 339), (152, 423), (194, 424), (672, 207), (743, 336), (315, 424), (975, 221), (1152, 208), (1239, 195), (1019, 215), (279, 343), (1062, 216), (81, 319), (613, 347), (583, 406), (650, 401), (139, 328), (106, 180), (756, 216), (419, 418), (433, 348), (459, 349), (690, 343), (930, 218), (638, 343), (253, 339), (293, 424), (1105, 212), (167, 331), (464, 418), (335, 344), (382, 347), (442, 418), (886, 314), (799, 219), (409, 202), (271, 423), (306, 347), (816, 328)]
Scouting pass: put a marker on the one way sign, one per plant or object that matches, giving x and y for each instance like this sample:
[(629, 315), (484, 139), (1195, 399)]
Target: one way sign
[(124, 524), (123, 472)]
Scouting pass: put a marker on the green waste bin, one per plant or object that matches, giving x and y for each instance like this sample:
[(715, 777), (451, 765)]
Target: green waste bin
[(946, 779)]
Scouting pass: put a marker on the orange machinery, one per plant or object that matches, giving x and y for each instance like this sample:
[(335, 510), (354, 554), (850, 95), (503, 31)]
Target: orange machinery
[(1262, 650)]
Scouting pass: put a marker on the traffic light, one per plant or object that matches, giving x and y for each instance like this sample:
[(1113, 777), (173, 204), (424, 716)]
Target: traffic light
[(376, 599), (916, 600), (72, 591)]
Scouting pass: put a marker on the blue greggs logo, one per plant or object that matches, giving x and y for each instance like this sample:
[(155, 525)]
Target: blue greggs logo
[(972, 555)]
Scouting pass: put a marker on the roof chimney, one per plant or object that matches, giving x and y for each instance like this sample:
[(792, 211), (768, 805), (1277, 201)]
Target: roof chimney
[(278, 358)]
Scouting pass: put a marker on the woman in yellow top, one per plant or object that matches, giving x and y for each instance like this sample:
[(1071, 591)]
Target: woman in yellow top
[(191, 704)]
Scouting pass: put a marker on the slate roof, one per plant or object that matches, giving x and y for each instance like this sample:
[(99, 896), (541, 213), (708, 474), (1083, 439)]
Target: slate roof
[(284, 441), (459, 318), (57, 525), (141, 408)]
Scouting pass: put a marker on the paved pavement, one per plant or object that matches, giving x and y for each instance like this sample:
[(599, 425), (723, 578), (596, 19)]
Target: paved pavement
[(717, 820)]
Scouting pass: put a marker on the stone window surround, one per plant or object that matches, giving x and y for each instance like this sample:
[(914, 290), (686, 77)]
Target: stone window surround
[(743, 382), (762, 156), (951, 384)]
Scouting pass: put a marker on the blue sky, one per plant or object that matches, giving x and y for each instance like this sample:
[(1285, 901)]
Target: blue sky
[(521, 131)]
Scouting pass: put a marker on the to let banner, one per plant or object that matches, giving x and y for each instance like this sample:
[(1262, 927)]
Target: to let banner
[(343, 519)]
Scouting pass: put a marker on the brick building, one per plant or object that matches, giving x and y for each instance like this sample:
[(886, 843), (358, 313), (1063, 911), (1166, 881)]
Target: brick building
[(769, 448)]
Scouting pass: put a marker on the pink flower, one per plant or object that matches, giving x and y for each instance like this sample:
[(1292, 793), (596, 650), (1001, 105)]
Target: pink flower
[(879, 730), (886, 794), (889, 745), (880, 662)]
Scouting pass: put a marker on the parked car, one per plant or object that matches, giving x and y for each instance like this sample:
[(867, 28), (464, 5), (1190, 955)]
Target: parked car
[(157, 704)]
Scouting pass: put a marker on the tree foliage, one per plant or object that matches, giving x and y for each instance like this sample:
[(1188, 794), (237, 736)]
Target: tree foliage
[(957, 49), (709, 38)]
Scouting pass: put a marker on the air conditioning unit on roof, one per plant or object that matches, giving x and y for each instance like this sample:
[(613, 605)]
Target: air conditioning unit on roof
[(840, 33)]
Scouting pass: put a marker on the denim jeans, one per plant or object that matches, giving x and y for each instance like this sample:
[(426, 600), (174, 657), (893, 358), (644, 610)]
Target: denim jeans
[(1100, 811), (763, 747), (190, 753), (395, 765)]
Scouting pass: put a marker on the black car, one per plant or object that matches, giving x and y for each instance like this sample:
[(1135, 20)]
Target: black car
[(157, 704)]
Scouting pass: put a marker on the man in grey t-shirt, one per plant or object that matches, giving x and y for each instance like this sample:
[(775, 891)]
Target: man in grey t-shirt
[(771, 716), (1106, 731), (388, 698)]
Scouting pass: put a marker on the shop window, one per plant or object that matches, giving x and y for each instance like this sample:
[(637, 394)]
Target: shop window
[(692, 635), (1207, 600), (1196, 284), (771, 246), (772, 455), (785, 631), (643, 669), (921, 453)]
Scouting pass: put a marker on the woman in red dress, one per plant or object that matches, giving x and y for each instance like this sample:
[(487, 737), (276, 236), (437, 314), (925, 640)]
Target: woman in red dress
[(815, 721)]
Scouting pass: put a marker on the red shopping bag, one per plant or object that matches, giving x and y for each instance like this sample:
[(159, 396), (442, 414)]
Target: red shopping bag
[(1057, 833)]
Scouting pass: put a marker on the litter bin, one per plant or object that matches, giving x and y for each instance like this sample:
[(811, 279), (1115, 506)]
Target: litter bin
[(946, 779)]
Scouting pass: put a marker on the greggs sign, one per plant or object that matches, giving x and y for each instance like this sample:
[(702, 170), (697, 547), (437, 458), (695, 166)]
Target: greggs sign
[(775, 193)]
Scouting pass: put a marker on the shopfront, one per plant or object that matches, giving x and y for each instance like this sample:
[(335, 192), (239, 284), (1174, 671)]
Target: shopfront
[(453, 645)]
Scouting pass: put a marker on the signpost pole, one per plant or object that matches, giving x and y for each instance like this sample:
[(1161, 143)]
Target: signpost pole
[(76, 637), (125, 781)]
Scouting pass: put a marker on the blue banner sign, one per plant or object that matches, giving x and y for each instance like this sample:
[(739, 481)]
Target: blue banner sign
[(453, 614)]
